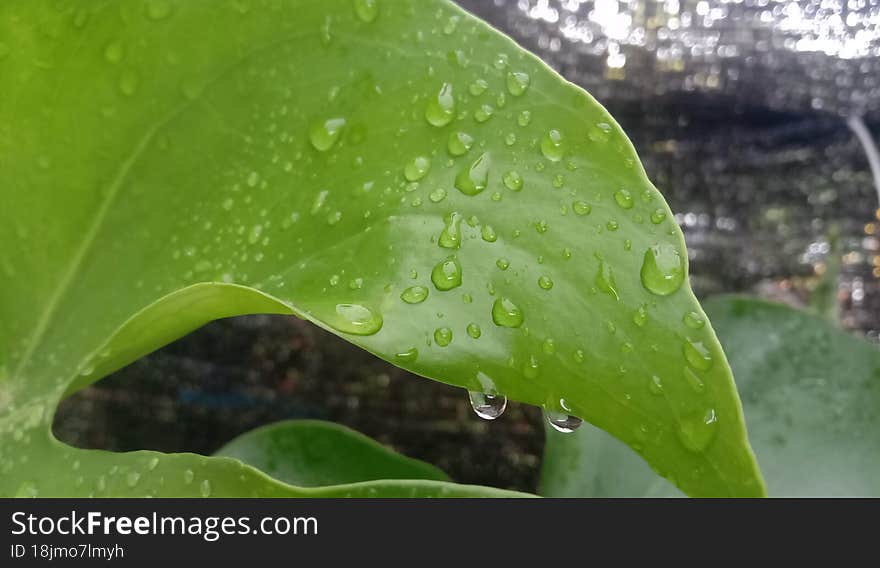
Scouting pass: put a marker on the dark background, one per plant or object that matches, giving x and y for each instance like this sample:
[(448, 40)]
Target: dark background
[(738, 110)]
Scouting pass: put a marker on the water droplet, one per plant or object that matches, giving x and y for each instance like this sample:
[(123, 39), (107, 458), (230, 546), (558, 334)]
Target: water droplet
[(581, 208), (114, 52), (474, 178), (517, 82), (443, 336), (640, 318), (502, 263), (488, 233), (128, 82), (697, 431), (624, 199), (151, 465), (478, 87), (450, 237), (132, 478), (441, 108), (484, 113), (553, 146), (545, 282), (694, 320), (579, 356), (438, 195), (408, 356), (541, 226), (459, 143), (563, 422), (693, 381), (417, 168), (474, 330), (698, 355), (355, 319), (366, 10), (662, 270), (158, 9), (188, 476), (524, 118), (605, 280), (446, 275), (656, 385), (324, 134), (205, 488), (548, 346), (512, 180), (487, 406), (506, 314), (658, 216), (414, 295)]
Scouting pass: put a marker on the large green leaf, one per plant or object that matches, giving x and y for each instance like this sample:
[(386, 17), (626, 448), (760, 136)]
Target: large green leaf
[(811, 394), (312, 453), (394, 171)]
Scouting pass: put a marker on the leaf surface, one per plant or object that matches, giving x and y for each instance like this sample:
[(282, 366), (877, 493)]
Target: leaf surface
[(394, 171), (811, 394)]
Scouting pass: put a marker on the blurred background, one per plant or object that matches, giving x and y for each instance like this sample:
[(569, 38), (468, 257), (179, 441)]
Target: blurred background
[(751, 116)]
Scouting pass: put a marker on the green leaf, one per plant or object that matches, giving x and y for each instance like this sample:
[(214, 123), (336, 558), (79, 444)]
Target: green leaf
[(400, 174), (311, 453), (811, 395)]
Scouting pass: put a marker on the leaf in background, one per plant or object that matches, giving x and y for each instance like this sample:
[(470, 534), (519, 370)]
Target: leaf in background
[(811, 395), (394, 171), (311, 453)]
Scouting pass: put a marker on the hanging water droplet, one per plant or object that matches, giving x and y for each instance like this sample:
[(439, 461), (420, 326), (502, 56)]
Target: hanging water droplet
[(563, 422), (324, 134), (459, 143), (441, 108), (414, 295), (506, 314), (624, 199), (694, 320), (446, 275), (696, 431), (474, 330), (553, 145), (517, 82), (487, 406), (450, 236), (366, 10), (443, 336), (698, 355), (662, 270), (355, 319), (512, 180), (417, 168), (474, 178)]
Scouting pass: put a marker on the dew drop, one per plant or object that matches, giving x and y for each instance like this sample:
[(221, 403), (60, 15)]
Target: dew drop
[(662, 270), (366, 10), (656, 385), (524, 118), (545, 282), (658, 216), (128, 82), (624, 199), (488, 234), (114, 52), (417, 168), (474, 178), (502, 263), (487, 406), (698, 355), (450, 237), (443, 336), (323, 135), (478, 87), (517, 82), (446, 275), (563, 422), (438, 195), (484, 113), (581, 208), (506, 314), (512, 180), (459, 143), (414, 295), (694, 320), (408, 356), (355, 319), (188, 476), (132, 478), (693, 381), (553, 145), (441, 108), (474, 330), (640, 318), (205, 488), (605, 280), (697, 431)]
